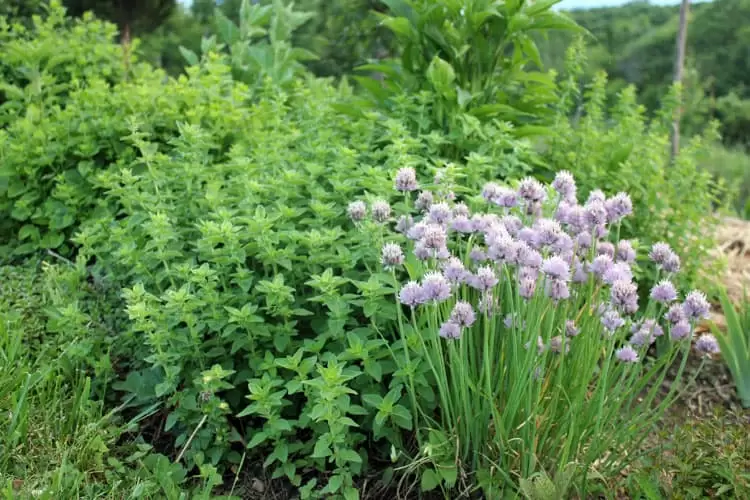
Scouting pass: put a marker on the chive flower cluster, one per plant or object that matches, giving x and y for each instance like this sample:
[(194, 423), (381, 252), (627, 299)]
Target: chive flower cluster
[(543, 244)]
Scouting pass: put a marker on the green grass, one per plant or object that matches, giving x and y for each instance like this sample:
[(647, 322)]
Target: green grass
[(57, 439), (705, 457)]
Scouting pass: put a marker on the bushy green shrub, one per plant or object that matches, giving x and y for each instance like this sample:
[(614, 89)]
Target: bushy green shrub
[(36, 75), (52, 151), (44, 142)]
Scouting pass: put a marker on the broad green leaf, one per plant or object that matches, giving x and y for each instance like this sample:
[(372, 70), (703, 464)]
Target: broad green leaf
[(430, 480), (226, 29), (190, 56), (441, 74)]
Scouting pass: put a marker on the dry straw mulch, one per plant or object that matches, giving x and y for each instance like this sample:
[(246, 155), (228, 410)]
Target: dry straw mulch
[(733, 238), (733, 248)]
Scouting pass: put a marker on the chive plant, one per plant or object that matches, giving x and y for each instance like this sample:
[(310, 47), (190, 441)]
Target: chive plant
[(520, 342)]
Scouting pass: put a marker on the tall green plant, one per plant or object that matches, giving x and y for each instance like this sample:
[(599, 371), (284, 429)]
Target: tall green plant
[(476, 60), (735, 343), (260, 46)]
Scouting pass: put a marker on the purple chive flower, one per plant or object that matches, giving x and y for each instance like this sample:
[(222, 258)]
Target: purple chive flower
[(596, 195), (480, 222), (490, 191), (442, 253), (696, 306), (576, 219), (570, 328), (652, 327), (454, 271), (528, 236), (601, 265), (526, 288), (563, 244), (584, 240), (627, 354), (579, 272), (533, 209), (416, 231), (487, 304), (556, 268), (461, 210), (527, 256), (406, 179), (512, 224), (434, 237), (664, 292), (625, 252), (611, 320), (532, 191), (503, 250), (530, 273), (556, 344), (675, 314), (557, 289), (505, 197), (392, 255), (439, 213), (405, 222), (659, 253), (620, 271), (641, 338), (624, 296), (565, 185), (618, 207), (539, 345), (605, 248), (477, 255), (680, 330), (424, 201), (495, 232), (562, 214), (462, 224), (422, 252), (595, 214), (547, 232), (463, 314), (381, 210), (707, 344), (411, 294), (450, 330), (672, 263), (484, 279), (435, 287), (357, 211)]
